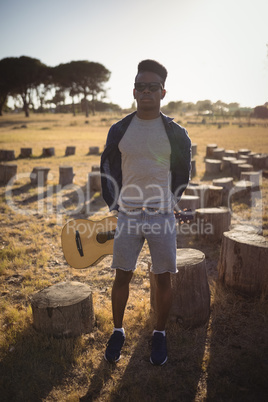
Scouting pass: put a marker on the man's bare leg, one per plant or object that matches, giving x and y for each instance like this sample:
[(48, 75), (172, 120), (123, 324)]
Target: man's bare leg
[(120, 293)]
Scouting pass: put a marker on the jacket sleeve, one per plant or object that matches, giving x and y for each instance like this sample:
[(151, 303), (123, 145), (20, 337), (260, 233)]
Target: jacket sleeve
[(111, 175), (180, 163)]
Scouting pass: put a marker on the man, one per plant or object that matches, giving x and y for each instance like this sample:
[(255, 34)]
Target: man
[(145, 168)]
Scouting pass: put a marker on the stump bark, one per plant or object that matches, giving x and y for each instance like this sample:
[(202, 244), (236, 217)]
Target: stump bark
[(227, 184), (213, 166), (39, 176), (94, 150), (94, 180), (212, 222), (69, 151), (245, 167), (254, 177), (64, 309), (230, 153), (7, 155), (25, 152), (7, 172), (47, 152), (234, 167), (194, 149), (218, 153), (66, 175), (243, 262), (190, 290), (189, 202), (209, 150)]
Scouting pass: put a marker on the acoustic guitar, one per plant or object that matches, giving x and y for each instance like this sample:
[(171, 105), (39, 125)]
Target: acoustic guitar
[(86, 242)]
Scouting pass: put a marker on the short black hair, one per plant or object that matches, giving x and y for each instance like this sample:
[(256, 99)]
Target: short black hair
[(154, 67)]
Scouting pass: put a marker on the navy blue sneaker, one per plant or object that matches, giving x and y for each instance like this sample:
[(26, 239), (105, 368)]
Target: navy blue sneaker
[(159, 349), (114, 346)]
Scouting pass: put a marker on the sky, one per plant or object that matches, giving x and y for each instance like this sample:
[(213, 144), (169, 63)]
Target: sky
[(212, 49)]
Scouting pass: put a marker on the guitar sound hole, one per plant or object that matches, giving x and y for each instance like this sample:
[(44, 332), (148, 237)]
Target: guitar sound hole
[(102, 237)]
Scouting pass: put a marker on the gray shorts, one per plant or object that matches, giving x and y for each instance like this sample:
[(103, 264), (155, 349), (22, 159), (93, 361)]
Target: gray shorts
[(158, 229)]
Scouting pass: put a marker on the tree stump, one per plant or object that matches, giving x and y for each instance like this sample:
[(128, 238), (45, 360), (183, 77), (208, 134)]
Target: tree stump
[(189, 202), (218, 153), (260, 161), (94, 150), (94, 180), (194, 149), (7, 172), (213, 166), (65, 309), (243, 262), (197, 190), (39, 176), (212, 222), (7, 155), (213, 196), (70, 151), (243, 152), (193, 167), (254, 177), (234, 167), (66, 175), (95, 168), (190, 290), (243, 191), (209, 150), (226, 183), (226, 163), (250, 157), (47, 152), (245, 167), (25, 152), (230, 153)]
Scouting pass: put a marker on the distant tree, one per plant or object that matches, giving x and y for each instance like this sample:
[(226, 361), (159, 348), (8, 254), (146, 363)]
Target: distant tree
[(8, 75), (27, 74), (260, 112), (204, 105), (82, 78)]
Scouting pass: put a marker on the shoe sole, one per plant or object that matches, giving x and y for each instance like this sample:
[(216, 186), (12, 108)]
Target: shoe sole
[(113, 361), (161, 364)]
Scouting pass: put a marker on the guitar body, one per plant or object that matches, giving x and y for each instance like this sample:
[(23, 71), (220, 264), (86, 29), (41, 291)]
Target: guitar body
[(85, 242)]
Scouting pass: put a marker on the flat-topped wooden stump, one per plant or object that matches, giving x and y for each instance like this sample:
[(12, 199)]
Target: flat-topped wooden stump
[(243, 262), (190, 290), (254, 177), (66, 175), (218, 153), (94, 181), (209, 150), (7, 172), (70, 150), (47, 152), (213, 222), (94, 150), (189, 202), (25, 152), (64, 309), (226, 183), (7, 155), (39, 176), (213, 166)]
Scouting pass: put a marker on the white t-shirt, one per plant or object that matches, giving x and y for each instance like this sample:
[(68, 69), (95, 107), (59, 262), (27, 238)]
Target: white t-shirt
[(146, 151)]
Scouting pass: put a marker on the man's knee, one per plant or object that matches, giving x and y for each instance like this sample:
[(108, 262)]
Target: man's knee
[(163, 281), (123, 277)]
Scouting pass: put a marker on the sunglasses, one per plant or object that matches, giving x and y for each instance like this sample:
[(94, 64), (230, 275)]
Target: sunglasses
[(152, 86)]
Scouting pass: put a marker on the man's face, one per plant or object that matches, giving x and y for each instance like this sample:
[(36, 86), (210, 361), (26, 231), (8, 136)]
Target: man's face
[(147, 99)]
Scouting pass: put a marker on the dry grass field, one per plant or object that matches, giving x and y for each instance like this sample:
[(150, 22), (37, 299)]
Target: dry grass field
[(225, 360)]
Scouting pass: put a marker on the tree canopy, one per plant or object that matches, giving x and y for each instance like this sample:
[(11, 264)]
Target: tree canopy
[(29, 79)]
